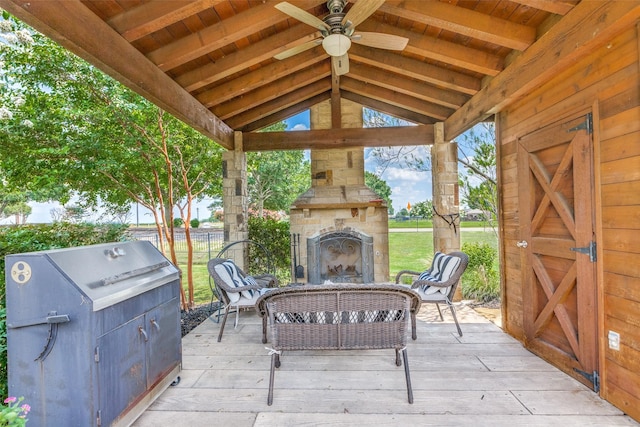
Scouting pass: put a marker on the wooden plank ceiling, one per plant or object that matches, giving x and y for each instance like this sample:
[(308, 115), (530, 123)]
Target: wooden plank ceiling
[(211, 62)]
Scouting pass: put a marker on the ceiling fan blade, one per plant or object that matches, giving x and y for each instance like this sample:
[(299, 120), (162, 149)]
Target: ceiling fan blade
[(361, 11), (380, 40), (298, 49), (340, 64), (302, 16)]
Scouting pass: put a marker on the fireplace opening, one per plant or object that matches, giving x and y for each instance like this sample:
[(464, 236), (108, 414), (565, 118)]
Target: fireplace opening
[(340, 257)]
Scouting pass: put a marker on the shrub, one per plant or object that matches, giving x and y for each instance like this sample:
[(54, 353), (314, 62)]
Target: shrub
[(195, 223), (481, 280), (177, 222), (274, 236), (31, 238)]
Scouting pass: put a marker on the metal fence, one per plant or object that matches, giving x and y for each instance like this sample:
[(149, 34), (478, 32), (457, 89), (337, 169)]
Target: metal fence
[(206, 244)]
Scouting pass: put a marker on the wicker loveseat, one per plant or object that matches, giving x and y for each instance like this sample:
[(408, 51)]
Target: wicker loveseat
[(338, 317)]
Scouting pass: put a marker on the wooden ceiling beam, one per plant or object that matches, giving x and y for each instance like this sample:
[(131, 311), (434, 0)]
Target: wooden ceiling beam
[(272, 91), (561, 46), (416, 69), (558, 7), (441, 50), (395, 98), (150, 17), (464, 21), (343, 138), (246, 58), (408, 86), (216, 36), (383, 107), (71, 24), (285, 113), (260, 77), (279, 103)]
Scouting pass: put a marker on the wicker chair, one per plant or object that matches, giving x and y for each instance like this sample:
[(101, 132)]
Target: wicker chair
[(339, 317), (429, 283), (236, 293)]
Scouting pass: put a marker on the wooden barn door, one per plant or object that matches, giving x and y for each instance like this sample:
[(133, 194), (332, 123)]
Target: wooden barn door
[(558, 244)]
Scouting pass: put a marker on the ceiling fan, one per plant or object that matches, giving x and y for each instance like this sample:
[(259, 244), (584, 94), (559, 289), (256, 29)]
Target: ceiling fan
[(338, 31)]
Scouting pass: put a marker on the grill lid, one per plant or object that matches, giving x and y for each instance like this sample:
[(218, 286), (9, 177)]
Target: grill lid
[(112, 272)]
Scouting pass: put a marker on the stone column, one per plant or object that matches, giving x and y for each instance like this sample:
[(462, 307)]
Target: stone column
[(234, 198), (446, 200)]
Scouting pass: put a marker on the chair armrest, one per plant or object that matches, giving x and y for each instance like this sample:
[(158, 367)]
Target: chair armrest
[(452, 281), (233, 289), (408, 273), (267, 280)]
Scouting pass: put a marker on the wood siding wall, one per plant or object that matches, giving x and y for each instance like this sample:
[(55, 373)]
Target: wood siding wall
[(607, 83)]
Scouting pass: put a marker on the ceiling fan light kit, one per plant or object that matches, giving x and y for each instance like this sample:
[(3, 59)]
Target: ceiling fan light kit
[(336, 44), (338, 31)]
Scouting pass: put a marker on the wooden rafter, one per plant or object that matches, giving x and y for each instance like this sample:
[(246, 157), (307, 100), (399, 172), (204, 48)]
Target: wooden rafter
[(246, 58), (282, 102), (264, 76), (384, 107), (441, 50), (395, 98), (415, 69), (407, 86), (266, 93), (466, 22), (150, 17)]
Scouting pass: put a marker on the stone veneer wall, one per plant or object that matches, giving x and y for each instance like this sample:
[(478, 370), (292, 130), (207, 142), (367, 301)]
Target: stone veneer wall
[(338, 198)]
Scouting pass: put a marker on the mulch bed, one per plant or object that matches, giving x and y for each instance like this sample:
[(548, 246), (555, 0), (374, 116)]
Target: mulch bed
[(194, 317)]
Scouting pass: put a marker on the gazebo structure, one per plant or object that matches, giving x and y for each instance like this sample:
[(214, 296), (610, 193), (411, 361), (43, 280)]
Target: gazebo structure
[(561, 79)]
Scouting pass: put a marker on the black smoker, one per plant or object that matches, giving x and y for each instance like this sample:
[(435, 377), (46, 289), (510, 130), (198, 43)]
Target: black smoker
[(93, 332)]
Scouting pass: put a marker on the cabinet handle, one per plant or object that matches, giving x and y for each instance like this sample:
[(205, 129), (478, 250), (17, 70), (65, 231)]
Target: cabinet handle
[(143, 333), (154, 323)]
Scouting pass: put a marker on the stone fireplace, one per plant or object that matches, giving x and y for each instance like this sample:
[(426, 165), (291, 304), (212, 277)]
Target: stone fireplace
[(342, 224)]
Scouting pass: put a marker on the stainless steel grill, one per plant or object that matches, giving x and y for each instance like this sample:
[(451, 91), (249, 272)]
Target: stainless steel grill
[(93, 332)]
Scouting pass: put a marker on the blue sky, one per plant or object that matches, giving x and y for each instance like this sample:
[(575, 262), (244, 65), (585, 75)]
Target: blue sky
[(406, 185)]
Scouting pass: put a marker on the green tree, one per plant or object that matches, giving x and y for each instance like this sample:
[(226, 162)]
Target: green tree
[(479, 185), (380, 187), (423, 209), (276, 178), (76, 129)]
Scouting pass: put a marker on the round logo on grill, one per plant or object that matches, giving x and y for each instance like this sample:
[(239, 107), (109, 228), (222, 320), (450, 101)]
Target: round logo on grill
[(21, 272)]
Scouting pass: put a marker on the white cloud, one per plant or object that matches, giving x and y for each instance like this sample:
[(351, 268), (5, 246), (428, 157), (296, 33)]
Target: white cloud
[(393, 174), (300, 126)]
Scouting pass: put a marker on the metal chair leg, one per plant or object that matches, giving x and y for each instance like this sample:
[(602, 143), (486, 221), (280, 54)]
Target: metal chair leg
[(275, 362), (455, 318), (224, 321), (407, 375), (440, 312)]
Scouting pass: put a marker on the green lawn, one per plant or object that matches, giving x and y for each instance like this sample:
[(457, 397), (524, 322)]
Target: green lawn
[(425, 223), (407, 251)]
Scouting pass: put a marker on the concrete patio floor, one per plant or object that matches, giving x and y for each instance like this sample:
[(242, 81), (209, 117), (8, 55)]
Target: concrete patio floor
[(485, 378)]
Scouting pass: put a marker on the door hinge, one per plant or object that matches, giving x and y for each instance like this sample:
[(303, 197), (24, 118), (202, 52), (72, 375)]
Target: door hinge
[(589, 250), (594, 378), (587, 125), (96, 355)]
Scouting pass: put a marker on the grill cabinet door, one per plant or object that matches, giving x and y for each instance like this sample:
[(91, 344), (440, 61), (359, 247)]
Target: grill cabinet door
[(164, 346), (122, 372)]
